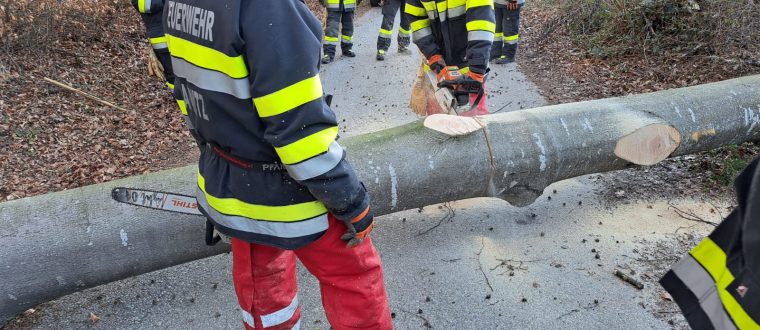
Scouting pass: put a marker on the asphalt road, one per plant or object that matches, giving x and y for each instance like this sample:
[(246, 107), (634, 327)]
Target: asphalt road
[(473, 264)]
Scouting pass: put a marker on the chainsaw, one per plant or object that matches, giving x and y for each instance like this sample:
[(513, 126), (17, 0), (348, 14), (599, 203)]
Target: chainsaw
[(170, 202), (452, 96)]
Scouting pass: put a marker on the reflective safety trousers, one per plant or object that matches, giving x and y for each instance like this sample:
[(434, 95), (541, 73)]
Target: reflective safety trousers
[(340, 5), (459, 30), (717, 285), (248, 74), (350, 281)]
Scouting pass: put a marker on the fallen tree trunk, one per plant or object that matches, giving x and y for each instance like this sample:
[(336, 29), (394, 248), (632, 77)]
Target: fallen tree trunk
[(63, 242)]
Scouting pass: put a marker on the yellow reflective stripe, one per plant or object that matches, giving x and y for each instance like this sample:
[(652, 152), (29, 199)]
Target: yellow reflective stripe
[(428, 5), (289, 98), (481, 25), (713, 258), (464, 70), (420, 24), (333, 39), (307, 147), (287, 213), (207, 58), (333, 2), (182, 106), (512, 38), (384, 31), (441, 6), (479, 3), (404, 31), (346, 38), (414, 10), (498, 35), (157, 40), (349, 2), (455, 3), (171, 86), (141, 6)]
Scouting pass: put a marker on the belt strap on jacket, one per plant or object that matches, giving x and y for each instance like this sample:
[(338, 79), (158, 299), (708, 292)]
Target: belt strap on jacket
[(243, 163)]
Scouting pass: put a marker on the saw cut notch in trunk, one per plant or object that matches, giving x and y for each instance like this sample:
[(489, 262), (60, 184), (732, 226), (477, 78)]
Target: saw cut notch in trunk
[(648, 145)]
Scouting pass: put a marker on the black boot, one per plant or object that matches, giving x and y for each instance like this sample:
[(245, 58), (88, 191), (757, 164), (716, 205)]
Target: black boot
[(380, 55), (327, 59), (348, 52)]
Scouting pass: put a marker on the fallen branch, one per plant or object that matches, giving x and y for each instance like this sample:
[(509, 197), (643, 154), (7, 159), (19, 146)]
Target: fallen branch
[(630, 280), (448, 216), (480, 266), (89, 96), (689, 215)]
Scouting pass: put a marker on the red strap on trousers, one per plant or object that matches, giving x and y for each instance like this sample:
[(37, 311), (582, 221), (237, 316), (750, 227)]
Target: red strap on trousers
[(351, 282)]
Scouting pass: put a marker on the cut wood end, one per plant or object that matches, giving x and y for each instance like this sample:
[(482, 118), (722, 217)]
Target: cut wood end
[(452, 125), (648, 145)]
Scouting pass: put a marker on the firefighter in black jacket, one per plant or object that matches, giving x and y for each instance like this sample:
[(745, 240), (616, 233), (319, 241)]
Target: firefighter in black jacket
[(390, 8), (340, 16), (151, 11), (717, 285), (455, 34), (271, 174)]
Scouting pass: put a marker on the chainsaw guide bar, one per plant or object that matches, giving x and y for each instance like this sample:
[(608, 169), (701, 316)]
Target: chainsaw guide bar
[(157, 200)]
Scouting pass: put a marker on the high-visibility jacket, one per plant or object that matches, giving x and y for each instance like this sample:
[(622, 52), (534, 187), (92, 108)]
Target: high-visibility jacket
[(717, 285), (249, 74), (151, 12), (340, 5), (460, 30)]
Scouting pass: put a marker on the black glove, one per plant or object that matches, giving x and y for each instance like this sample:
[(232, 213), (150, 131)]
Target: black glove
[(358, 228)]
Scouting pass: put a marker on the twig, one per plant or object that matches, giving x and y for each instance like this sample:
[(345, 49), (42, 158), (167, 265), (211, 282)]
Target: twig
[(685, 227), (589, 307), (89, 96), (502, 107), (568, 313), (427, 322), (688, 215), (480, 265), (629, 280), (448, 216), (506, 262)]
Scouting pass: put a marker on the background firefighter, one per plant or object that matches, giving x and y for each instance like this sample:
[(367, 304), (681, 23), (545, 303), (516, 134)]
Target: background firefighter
[(159, 60), (455, 35), (340, 19), (507, 30), (390, 8), (151, 12), (271, 174)]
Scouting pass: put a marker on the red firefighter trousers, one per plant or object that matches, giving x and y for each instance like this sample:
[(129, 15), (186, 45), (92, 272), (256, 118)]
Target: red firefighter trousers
[(350, 279)]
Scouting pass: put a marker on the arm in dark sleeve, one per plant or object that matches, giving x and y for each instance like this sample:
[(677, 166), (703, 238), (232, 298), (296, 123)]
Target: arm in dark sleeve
[(422, 33), (283, 42), (148, 7), (480, 31)]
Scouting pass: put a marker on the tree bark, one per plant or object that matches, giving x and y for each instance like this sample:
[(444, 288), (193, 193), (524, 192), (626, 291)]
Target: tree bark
[(63, 242)]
